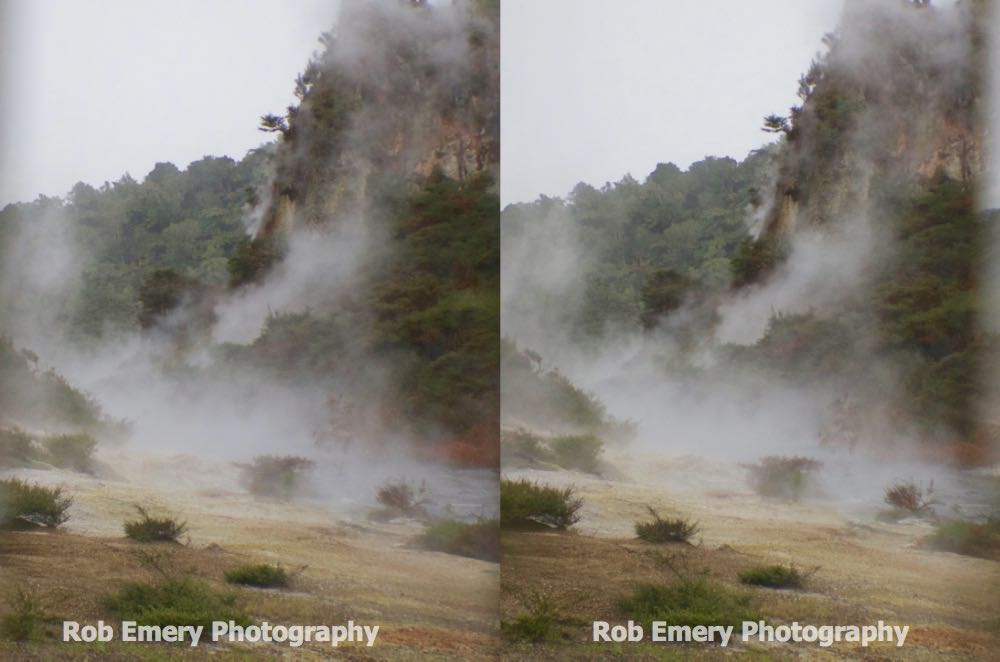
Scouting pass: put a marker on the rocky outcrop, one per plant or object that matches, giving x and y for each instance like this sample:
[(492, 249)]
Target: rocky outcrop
[(897, 98), (401, 90)]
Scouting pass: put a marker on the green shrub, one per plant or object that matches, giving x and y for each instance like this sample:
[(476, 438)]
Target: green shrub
[(398, 499), (909, 497), (527, 504), (689, 601), (253, 259), (162, 291), (16, 448), (25, 503), (154, 529), (524, 448), (757, 259), (782, 477), (260, 575), (38, 397), (969, 538), (62, 402), (580, 451), (275, 476), (663, 292), (71, 451), (479, 540), (539, 624), (184, 601), (547, 398), (26, 620), (774, 576), (665, 530), (576, 451)]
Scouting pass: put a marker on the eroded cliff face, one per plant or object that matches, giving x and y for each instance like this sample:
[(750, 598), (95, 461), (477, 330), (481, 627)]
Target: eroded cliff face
[(896, 99), (872, 221), (401, 90), (374, 266)]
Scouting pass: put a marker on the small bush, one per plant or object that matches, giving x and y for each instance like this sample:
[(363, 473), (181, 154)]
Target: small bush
[(26, 620), (538, 625), (259, 575), (154, 529), (579, 451), (398, 499), (25, 503), (774, 576), (665, 530), (969, 538), (526, 504), (480, 540), (908, 497), (275, 476), (689, 601), (71, 451), (782, 477), (184, 601)]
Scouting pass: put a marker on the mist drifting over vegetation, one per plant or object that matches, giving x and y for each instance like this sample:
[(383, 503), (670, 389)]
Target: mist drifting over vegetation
[(822, 296), (763, 388), (330, 295)]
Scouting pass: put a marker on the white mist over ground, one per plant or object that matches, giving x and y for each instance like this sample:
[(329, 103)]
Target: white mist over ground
[(195, 417), (190, 428), (691, 404)]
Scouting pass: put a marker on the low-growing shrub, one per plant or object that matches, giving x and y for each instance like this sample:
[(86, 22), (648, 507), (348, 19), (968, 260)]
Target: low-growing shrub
[(23, 503), (520, 448), (689, 601), (968, 538), (578, 451), (910, 498), (539, 624), (16, 448), (774, 576), (71, 451), (260, 575), (782, 477), (154, 529), (523, 448), (275, 476), (398, 499), (527, 504), (27, 619), (665, 530), (479, 540), (183, 601)]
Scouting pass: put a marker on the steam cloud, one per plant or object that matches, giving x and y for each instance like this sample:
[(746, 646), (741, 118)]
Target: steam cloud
[(713, 411), (189, 402)]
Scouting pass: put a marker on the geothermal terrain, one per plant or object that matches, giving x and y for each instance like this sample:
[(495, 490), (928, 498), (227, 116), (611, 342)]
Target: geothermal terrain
[(864, 569), (429, 605), (329, 299)]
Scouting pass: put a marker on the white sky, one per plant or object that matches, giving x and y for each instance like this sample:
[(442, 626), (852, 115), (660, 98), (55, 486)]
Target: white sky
[(92, 89), (991, 195), (594, 89)]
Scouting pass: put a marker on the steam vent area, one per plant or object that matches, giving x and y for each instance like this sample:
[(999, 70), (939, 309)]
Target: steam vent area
[(303, 358)]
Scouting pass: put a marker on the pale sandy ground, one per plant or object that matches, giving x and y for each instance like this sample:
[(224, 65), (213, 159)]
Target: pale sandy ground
[(868, 569), (429, 605)]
